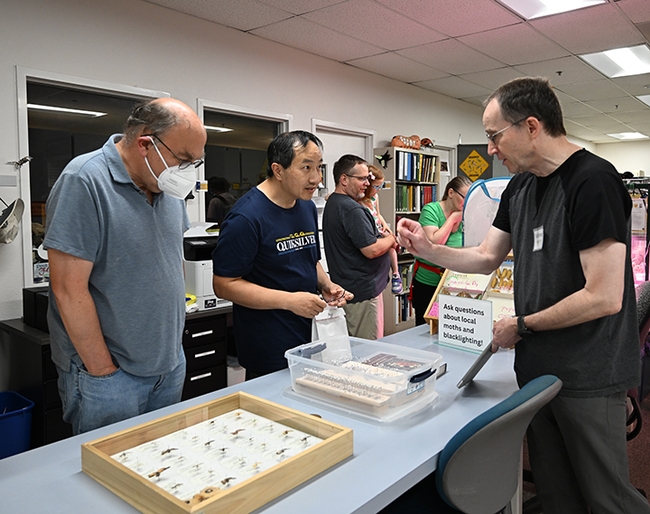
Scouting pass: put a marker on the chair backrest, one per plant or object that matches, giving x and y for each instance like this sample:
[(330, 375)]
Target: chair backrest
[(479, 467), (643, 306)]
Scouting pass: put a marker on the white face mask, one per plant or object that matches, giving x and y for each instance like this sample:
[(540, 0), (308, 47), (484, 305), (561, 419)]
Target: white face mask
[(172, 181)]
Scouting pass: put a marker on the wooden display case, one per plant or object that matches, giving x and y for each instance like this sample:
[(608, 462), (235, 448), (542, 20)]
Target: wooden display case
[(496, 287), (99, 459)]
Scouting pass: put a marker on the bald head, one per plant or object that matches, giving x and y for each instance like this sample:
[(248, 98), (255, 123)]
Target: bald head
[(159, 116)]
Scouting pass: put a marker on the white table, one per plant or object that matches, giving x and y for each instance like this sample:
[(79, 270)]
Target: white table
[(387, 460)]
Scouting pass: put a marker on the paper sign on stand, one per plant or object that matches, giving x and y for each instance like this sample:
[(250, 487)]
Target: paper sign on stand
[(464, 323)]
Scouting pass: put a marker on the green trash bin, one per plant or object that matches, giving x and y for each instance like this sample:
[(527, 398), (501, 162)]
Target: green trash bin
[(15, 423)]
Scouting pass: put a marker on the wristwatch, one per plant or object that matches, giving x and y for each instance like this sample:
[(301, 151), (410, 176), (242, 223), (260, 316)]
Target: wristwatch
[(522, 329)]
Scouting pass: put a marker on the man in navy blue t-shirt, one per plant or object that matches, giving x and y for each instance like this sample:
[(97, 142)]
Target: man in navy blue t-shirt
[(266, 259)]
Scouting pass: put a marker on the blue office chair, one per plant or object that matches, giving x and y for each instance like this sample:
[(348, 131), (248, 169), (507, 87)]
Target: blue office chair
[(634, 396), (478, 470)]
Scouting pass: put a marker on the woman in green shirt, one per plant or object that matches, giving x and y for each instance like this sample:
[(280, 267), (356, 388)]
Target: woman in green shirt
[(442, 223)]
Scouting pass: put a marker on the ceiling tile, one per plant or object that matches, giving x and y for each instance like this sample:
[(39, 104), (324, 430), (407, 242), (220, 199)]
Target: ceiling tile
[(395, 66), (317, 40), (587, 134), (373, 23), (595, 90), (634, 117), (454, 87), (239, 14), (614, 106), (515, 44), (300, 6), (476, 100), (495, 45), (592, 29), (636, 85), (451, 56), (567, 70), (492, 79), (637, 10), (603, 124), (455, 17), (644, 128), (572, 109)]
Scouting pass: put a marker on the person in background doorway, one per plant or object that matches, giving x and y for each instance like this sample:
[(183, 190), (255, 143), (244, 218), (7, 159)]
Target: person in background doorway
[(114, 235), (442, 223), (221, 201), (566, 214), (357, 255), (267, 257), (370, 200)]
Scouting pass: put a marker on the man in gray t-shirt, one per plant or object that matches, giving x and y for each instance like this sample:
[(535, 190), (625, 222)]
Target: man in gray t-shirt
[(357, 257), (115, 224)]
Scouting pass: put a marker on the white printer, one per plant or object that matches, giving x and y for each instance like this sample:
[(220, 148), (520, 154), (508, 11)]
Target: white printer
[(198, 243)]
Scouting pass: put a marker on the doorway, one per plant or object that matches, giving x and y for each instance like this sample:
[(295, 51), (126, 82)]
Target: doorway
[(235, 154)]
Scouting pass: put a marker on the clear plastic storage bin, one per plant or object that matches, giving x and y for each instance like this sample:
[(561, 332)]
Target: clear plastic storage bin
[(380, 381)]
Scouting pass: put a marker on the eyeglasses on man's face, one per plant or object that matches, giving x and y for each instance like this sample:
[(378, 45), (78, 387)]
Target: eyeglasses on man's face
[(494, 138), (365, 178), (182, 165)]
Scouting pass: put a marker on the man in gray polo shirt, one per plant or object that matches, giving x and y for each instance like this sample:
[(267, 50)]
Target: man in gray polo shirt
[(115, 223)]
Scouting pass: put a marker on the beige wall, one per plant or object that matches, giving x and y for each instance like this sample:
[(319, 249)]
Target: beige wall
[(631, 156)]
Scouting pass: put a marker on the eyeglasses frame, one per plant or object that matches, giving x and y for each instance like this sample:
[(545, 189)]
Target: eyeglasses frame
[(182, 165), (367, 178), (492, 137)]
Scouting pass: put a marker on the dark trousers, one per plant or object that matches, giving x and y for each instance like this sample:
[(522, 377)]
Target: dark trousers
[(421, 296)]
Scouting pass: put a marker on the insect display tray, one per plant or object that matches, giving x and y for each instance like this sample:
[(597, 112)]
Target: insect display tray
[(233, 455), (375, 380)]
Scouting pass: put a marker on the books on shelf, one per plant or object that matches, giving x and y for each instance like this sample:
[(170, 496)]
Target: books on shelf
[(403, 308), (412, 197), (415, 167)]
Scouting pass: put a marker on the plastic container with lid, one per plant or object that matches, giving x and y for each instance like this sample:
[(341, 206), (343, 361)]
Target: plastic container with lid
[(379, 381)]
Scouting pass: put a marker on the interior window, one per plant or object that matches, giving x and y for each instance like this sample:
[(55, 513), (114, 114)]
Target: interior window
[(64, 122), (236, 151)]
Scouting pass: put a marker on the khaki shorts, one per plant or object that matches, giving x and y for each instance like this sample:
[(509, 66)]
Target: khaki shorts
[(365, 319)]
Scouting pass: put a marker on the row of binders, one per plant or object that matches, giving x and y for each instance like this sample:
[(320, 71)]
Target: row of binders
[(412, 197), (415, 167)]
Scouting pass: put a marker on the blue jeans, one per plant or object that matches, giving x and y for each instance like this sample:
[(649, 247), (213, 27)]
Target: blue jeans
[(91, 402)]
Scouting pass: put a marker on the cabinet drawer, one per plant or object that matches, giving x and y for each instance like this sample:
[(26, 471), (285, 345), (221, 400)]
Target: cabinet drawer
[(52, 399), (49, 369), (204, 381), (207, 356), (198, 333)]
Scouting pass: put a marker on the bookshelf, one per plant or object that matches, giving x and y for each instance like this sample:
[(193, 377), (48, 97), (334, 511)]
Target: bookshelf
[(412, 178)]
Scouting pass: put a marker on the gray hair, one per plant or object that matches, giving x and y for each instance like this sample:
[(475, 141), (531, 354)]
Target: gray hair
[(149, 117)]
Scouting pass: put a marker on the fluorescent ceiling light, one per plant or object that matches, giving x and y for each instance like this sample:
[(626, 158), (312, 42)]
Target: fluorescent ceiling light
[(645, 99), (217, 129), (94, 114), (621, 62), (628, 136), (531, 9)]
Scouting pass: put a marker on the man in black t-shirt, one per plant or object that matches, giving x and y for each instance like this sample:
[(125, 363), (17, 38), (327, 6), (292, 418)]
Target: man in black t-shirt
[(566, 216), (357, 256)]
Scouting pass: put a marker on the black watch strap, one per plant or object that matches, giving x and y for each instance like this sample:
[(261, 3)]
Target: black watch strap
[(522, 329)]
